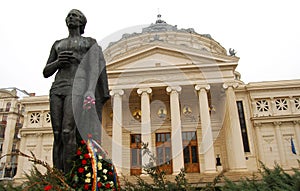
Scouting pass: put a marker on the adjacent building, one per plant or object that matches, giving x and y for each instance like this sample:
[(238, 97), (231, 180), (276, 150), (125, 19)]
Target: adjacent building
[(11, 116)]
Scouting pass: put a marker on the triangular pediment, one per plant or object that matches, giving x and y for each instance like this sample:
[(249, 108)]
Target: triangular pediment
[(164, 56)]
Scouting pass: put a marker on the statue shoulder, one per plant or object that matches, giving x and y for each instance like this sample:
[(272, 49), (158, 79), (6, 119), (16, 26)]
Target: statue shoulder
[(91, 40)]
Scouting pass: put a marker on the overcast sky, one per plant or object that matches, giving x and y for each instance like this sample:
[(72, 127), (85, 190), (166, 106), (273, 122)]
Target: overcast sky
[(265, 34)]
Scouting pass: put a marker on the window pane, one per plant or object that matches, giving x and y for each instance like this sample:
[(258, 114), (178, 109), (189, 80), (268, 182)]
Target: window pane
[(132, 139), (158, 137), (184, 136), (167, 155), (162, 137), (133, 157), (160, 155), (194, 135), (186, 155), (168, 137), (194, 154), (189, 136), (140, 158), (137, 138)]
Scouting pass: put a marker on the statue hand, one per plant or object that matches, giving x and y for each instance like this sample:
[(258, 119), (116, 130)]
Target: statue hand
[(66, 58)]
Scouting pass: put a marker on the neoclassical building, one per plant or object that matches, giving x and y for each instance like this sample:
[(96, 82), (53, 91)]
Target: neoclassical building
[(179, 92), (11, 116)]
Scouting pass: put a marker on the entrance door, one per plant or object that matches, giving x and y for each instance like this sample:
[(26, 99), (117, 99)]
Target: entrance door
[(135, 154), (163, 152), (190, 151)]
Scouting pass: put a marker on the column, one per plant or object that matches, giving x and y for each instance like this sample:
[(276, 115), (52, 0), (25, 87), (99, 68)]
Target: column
[(280, 143), (8, 138), (39, 145), (297, 134), (117, 129), (22, 160), (259, 142), (176, 136), (207, 146), (145, 121), (234, 136)]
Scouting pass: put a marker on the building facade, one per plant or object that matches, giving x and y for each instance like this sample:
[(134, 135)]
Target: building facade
[(11, 116), (179, 92)]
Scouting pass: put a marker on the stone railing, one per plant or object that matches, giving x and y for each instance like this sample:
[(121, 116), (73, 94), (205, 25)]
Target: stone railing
[(275, 106)]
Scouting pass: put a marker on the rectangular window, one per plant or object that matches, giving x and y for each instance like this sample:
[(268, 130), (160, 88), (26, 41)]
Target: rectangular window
[(190, 151), (136, 154), (163, 152), (243, 126)]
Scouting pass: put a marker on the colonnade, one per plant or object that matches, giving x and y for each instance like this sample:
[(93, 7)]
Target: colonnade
[(207, 146)]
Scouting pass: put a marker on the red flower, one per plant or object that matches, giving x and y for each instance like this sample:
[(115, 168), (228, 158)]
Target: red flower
[(80, 170), (86, 186), (110, 173), (78, 152), (82, 142), (107, 185), (48, 187), (87, 156), (83, 162), (99, 184)]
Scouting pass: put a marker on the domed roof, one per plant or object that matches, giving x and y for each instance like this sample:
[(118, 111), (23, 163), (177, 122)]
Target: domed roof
[(162, 32)]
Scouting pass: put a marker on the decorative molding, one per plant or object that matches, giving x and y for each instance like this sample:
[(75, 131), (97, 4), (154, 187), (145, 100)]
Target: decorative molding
[(256, 124), (140, 91), (116, 92), (296, 122), (198, 87), (171, 89), (277, 123), (234, 85)]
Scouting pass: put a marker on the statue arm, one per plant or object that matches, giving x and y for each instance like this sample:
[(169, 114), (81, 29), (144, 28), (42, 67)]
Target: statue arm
[(52, 63)]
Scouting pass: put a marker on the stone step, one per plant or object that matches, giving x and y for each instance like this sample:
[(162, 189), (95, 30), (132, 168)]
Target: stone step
[(196, 179)]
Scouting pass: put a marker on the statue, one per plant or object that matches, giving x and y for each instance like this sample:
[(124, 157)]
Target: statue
[(232, 52), (80, 83)]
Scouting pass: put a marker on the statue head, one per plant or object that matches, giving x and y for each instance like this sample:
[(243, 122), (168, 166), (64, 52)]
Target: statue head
[(82, 19)]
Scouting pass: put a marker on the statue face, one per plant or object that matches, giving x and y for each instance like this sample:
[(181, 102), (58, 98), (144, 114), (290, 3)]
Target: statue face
[(74, 19)]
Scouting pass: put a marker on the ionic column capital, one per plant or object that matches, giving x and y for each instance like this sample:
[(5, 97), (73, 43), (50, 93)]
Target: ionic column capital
[(198, 87), (233, 85), (115, 92), (277, 123), (140, 91), (296, 122), (171, 89), (257, 124)]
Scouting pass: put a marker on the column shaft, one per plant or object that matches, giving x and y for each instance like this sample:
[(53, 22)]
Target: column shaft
[(176, 133), (259, 144), (207, 146), (117, 129), (145, 121), (297, 131), (237, 151), (280, 143)]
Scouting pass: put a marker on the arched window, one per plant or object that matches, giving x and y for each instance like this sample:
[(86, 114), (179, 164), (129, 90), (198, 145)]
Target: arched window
[(8, 105)]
